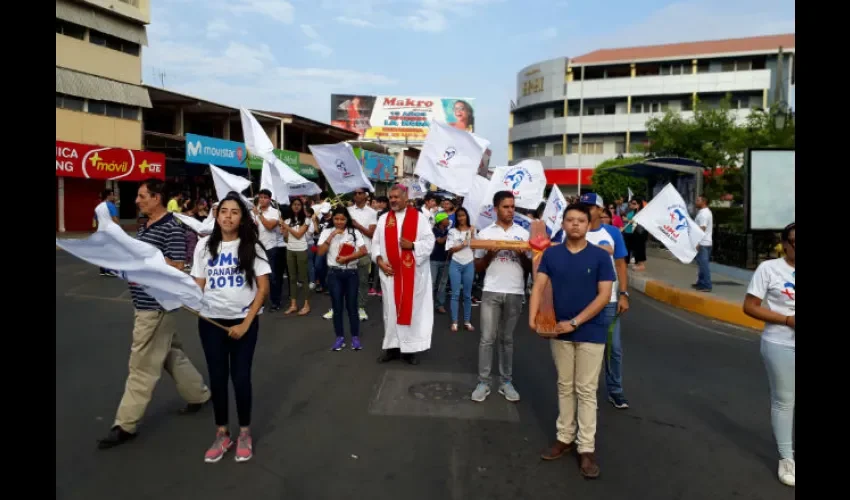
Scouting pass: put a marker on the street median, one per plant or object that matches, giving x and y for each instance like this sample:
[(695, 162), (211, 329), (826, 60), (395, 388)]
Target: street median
[(697, 302)]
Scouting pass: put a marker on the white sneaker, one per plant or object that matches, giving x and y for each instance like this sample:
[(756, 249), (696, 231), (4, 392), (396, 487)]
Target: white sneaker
[(787, 472), (363, 315), (329, 314), (312, 286)]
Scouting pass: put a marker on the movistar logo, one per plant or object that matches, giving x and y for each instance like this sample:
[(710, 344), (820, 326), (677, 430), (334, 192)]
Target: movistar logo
[(193, 149)]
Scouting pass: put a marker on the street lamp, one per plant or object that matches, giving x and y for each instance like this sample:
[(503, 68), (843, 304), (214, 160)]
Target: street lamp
[(781, 115)]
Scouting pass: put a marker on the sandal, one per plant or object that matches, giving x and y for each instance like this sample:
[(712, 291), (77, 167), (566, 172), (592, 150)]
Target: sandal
[(304, 311), (291, 310), (469, 327), (454, 327)]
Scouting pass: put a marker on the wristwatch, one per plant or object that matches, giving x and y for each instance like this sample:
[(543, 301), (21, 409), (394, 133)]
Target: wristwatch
[(624, 294), (574, 323)]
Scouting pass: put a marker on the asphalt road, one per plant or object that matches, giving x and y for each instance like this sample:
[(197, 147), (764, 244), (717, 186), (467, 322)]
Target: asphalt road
[(331, 425)]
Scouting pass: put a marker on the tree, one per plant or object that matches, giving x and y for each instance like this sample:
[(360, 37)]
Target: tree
[(610, 184)]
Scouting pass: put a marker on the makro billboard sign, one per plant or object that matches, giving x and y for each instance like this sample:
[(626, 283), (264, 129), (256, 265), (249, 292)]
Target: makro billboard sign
[(399, 118), (219, 152), (96, 162)]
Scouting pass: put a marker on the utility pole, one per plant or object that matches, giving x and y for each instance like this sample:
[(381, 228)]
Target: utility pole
[(580, 127)]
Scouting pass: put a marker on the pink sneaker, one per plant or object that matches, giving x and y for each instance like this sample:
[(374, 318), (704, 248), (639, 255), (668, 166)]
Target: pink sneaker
[(372, 292), (219, 447), (244, 447), (380, 294)]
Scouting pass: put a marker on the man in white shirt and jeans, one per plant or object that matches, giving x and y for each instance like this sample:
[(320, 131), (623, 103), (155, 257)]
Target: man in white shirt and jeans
[(502, 298), (365, 220), (268, 221), (705, 220)]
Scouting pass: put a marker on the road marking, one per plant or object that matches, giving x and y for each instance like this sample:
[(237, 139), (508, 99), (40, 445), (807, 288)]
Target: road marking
[(697, 325)]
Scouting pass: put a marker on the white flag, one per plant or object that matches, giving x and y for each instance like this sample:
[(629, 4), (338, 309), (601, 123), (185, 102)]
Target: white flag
[(450, 158), (137, 262), (415, 187), (271, 178), (226, 182), (525, 180), (631, 194), (666, 218), (553, 214), (259, 144), (472, 202), (341, 167), (204, 228)]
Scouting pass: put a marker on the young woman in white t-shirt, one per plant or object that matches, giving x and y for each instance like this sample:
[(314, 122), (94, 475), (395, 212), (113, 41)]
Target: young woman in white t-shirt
[(232, 269), (343, 280), (771, 297), (462, 267), (298, 229)]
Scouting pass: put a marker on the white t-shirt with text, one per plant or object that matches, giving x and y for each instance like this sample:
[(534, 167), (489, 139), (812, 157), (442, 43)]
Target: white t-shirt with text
[(705, 218), (505, 273), (773, 282), (226, 293), (457, 237), (358, 240)]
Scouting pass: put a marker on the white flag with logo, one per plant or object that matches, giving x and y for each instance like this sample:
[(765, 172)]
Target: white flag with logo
[(137, 262), (450, 158), (525, 180), (204, 228), (259, 144), (475, 198), (226, 182), (415, 187), (553, 214), (341, 167), (666, 218)]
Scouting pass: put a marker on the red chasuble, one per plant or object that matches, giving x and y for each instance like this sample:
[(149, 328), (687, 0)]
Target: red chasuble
[(402, 262)]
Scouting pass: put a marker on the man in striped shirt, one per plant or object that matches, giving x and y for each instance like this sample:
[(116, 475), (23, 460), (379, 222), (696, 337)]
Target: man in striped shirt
[(155, 343)]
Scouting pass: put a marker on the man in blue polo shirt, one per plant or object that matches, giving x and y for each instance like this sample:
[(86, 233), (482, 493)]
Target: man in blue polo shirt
[(610, 239), (582, 278)]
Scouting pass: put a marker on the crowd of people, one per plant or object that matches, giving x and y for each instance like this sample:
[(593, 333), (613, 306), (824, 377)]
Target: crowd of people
[(416, 255)]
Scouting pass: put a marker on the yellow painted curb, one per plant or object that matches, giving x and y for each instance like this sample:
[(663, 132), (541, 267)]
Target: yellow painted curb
[(701, 303)]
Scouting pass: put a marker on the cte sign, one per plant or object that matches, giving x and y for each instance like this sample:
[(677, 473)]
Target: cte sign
[(94, 162)]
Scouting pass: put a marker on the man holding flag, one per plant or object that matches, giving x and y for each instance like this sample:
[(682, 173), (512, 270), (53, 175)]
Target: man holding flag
[(155, 343), (401, 247)]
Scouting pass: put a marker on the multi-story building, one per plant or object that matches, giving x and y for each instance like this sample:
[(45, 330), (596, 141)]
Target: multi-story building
[(99, 102), (574, 113)]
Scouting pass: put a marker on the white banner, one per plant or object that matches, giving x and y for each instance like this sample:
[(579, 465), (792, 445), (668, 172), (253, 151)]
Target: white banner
[(450, 158), (553, 214), (204, 228), (341, 167), (137, 262), (472, 202), (525, 180), (666, 218), (271, 178), (415, 187), (226, 182)]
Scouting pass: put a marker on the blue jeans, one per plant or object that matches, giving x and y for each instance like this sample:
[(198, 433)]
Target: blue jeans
[(704, 275), (439, 277), (781, 361), (343, 284), (320, 270), (311, 265), (613, 351), (275, 284), (462, 274)]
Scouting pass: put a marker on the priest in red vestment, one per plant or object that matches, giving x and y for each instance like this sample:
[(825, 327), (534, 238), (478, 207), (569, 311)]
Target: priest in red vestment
[(401, 247)]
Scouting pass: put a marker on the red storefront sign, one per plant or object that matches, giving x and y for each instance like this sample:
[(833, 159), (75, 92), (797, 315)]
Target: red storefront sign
[(95, 162)]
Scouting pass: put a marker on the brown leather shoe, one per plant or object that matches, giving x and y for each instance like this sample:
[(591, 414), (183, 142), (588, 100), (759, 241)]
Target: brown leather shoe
[(588, 466), (556, 451)]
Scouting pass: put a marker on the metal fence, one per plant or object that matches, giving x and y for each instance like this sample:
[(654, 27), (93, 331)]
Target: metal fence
[(737, 249)]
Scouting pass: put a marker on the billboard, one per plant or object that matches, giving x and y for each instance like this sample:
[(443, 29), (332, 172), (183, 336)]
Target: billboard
[(219, 152), (399, 118), (86, 161), (770, 190)]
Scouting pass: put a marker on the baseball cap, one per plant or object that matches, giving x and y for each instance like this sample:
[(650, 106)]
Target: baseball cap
[(440, 217), (592, 199)]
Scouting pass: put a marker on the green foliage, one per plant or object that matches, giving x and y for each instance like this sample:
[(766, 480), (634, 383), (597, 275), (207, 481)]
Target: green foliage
[(714, 138), (612, 184)]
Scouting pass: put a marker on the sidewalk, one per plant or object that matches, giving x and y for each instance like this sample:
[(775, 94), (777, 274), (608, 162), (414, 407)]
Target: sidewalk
[(667, 280)]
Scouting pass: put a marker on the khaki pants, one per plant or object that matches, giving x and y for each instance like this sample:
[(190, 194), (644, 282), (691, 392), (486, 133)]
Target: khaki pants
[(156, 346), (578, 365)]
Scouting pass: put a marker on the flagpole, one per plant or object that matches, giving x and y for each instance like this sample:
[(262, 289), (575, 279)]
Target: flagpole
[(196, 313)]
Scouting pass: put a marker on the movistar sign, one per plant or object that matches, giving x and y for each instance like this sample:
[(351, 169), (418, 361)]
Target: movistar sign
[(203, 149)]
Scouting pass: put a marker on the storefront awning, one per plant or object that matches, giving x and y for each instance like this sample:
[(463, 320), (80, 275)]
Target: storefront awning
[(87, 86), (92, 19), (568, 176)]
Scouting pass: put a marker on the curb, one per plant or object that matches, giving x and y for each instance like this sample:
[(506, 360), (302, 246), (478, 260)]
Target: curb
[(696, 302)]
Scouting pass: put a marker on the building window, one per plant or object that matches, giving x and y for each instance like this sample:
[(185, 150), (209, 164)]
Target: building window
[(70, 29), (557, 149), (536, 150), (72, 103), (620, 147), (559, 112), (114, 43), (727, 66), (587, 148)]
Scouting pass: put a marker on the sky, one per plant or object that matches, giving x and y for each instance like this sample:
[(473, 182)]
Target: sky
[(290, 56)]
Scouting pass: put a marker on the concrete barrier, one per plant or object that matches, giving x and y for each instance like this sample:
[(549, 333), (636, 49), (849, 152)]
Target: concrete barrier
[(696, 302)]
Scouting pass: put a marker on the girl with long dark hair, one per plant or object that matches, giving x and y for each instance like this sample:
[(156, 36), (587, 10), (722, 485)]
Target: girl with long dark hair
[(232, 269), (297, 229), (344, 246), (461, 267), (771, 297)]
